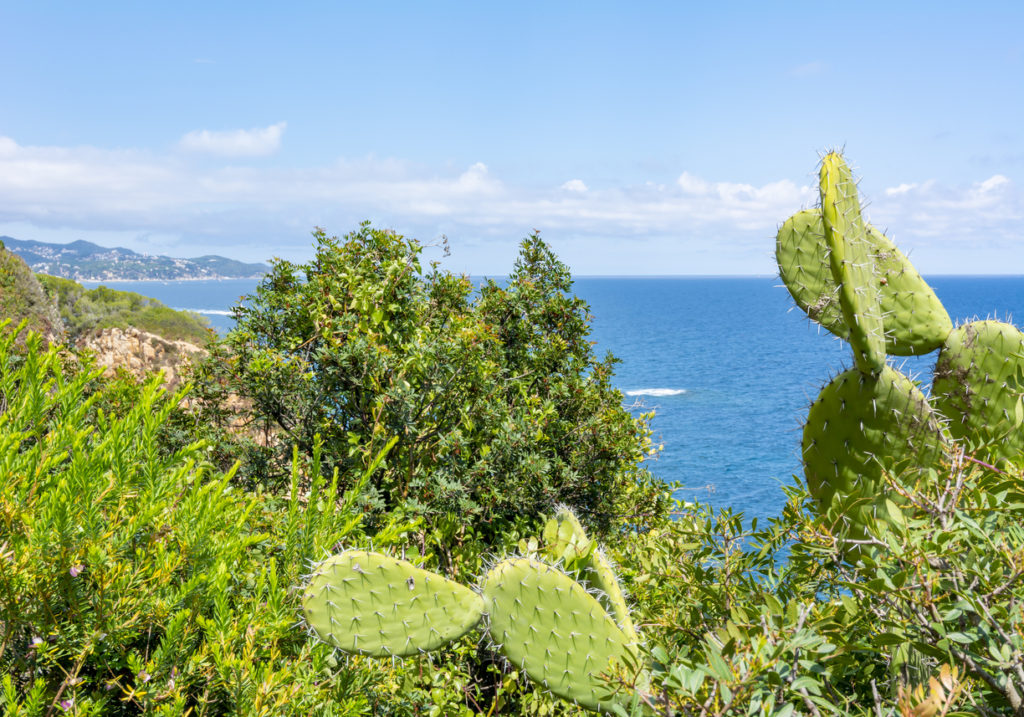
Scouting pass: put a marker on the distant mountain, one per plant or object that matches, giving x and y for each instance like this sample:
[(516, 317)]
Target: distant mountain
[(85, 261)]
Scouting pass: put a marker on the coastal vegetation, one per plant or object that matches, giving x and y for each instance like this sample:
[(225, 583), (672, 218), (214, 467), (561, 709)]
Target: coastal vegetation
[(461, 446), (22, 298), (85, 311)]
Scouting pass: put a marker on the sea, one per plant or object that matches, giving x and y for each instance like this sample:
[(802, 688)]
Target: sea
[(729, 367)]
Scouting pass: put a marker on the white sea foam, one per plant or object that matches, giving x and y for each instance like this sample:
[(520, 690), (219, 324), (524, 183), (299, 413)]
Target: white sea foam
[(212, 312), (656, 392)]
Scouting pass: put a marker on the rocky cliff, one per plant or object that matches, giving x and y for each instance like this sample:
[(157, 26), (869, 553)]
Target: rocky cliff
[(139, 353)]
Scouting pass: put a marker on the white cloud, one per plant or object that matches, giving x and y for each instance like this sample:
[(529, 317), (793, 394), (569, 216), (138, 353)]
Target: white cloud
[(902, 189), (992, 183), (262, 211), (256, 142)]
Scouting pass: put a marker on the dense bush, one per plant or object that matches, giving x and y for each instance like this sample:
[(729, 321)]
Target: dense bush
[(86, 310), (775, 620), (140, 573), (133, 581), (497, 400)]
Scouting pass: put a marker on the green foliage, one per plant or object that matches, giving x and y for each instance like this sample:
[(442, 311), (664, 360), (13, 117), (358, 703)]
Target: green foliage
[(498, 403), (87, 310), (774, 620), (22, 298), (137, 581)]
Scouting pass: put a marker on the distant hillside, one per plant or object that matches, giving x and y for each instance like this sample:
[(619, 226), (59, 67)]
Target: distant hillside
[(85, 261)]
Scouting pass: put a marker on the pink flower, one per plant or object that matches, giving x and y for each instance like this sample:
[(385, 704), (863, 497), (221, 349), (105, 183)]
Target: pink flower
[(75, 570)]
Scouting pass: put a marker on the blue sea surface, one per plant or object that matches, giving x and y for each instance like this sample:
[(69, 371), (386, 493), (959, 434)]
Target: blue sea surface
[(729, 366)]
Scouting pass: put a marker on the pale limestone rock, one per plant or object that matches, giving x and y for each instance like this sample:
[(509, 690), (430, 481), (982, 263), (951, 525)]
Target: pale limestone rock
[(139, 352)]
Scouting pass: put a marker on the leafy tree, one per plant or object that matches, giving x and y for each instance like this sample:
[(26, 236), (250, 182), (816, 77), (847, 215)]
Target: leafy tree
[(499, 405)]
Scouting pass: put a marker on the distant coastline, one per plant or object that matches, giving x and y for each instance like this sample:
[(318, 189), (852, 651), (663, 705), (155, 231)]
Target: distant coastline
[(254, 277), (87, 262)]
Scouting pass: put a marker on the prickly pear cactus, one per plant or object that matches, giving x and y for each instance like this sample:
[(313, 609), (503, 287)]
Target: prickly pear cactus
[(979, 386), (567, 543), (546, 624), (859, 426), (849, 258), (372, 604), (914, 320), (802, 256)]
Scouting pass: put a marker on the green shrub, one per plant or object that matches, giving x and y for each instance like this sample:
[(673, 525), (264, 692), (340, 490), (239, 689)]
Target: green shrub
[(774, 620), (135, 580), (500, 407), (23, 299), (88, 310)]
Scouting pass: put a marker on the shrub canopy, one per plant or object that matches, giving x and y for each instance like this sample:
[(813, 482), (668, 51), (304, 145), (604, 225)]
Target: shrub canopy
[(498, 402)]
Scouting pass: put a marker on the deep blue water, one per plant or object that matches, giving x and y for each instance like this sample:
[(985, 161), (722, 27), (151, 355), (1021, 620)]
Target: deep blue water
[(731, 363)]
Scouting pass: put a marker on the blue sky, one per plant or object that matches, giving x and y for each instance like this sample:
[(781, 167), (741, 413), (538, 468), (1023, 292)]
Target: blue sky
[(640, 138)]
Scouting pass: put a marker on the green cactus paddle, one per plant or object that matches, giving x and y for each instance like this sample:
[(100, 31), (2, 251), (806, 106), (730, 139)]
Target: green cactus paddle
[(850, 261), (546, 624), (567, 543), (979, 386), (372, 604), (859, 426), (914, 320)]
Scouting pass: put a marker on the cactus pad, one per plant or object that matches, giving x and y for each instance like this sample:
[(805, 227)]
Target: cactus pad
[(564, 538), (566, 542), (859, 426), (914, 319), (979, 384), (852, 266), (372, 604), (802, 255), (546, 624)]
